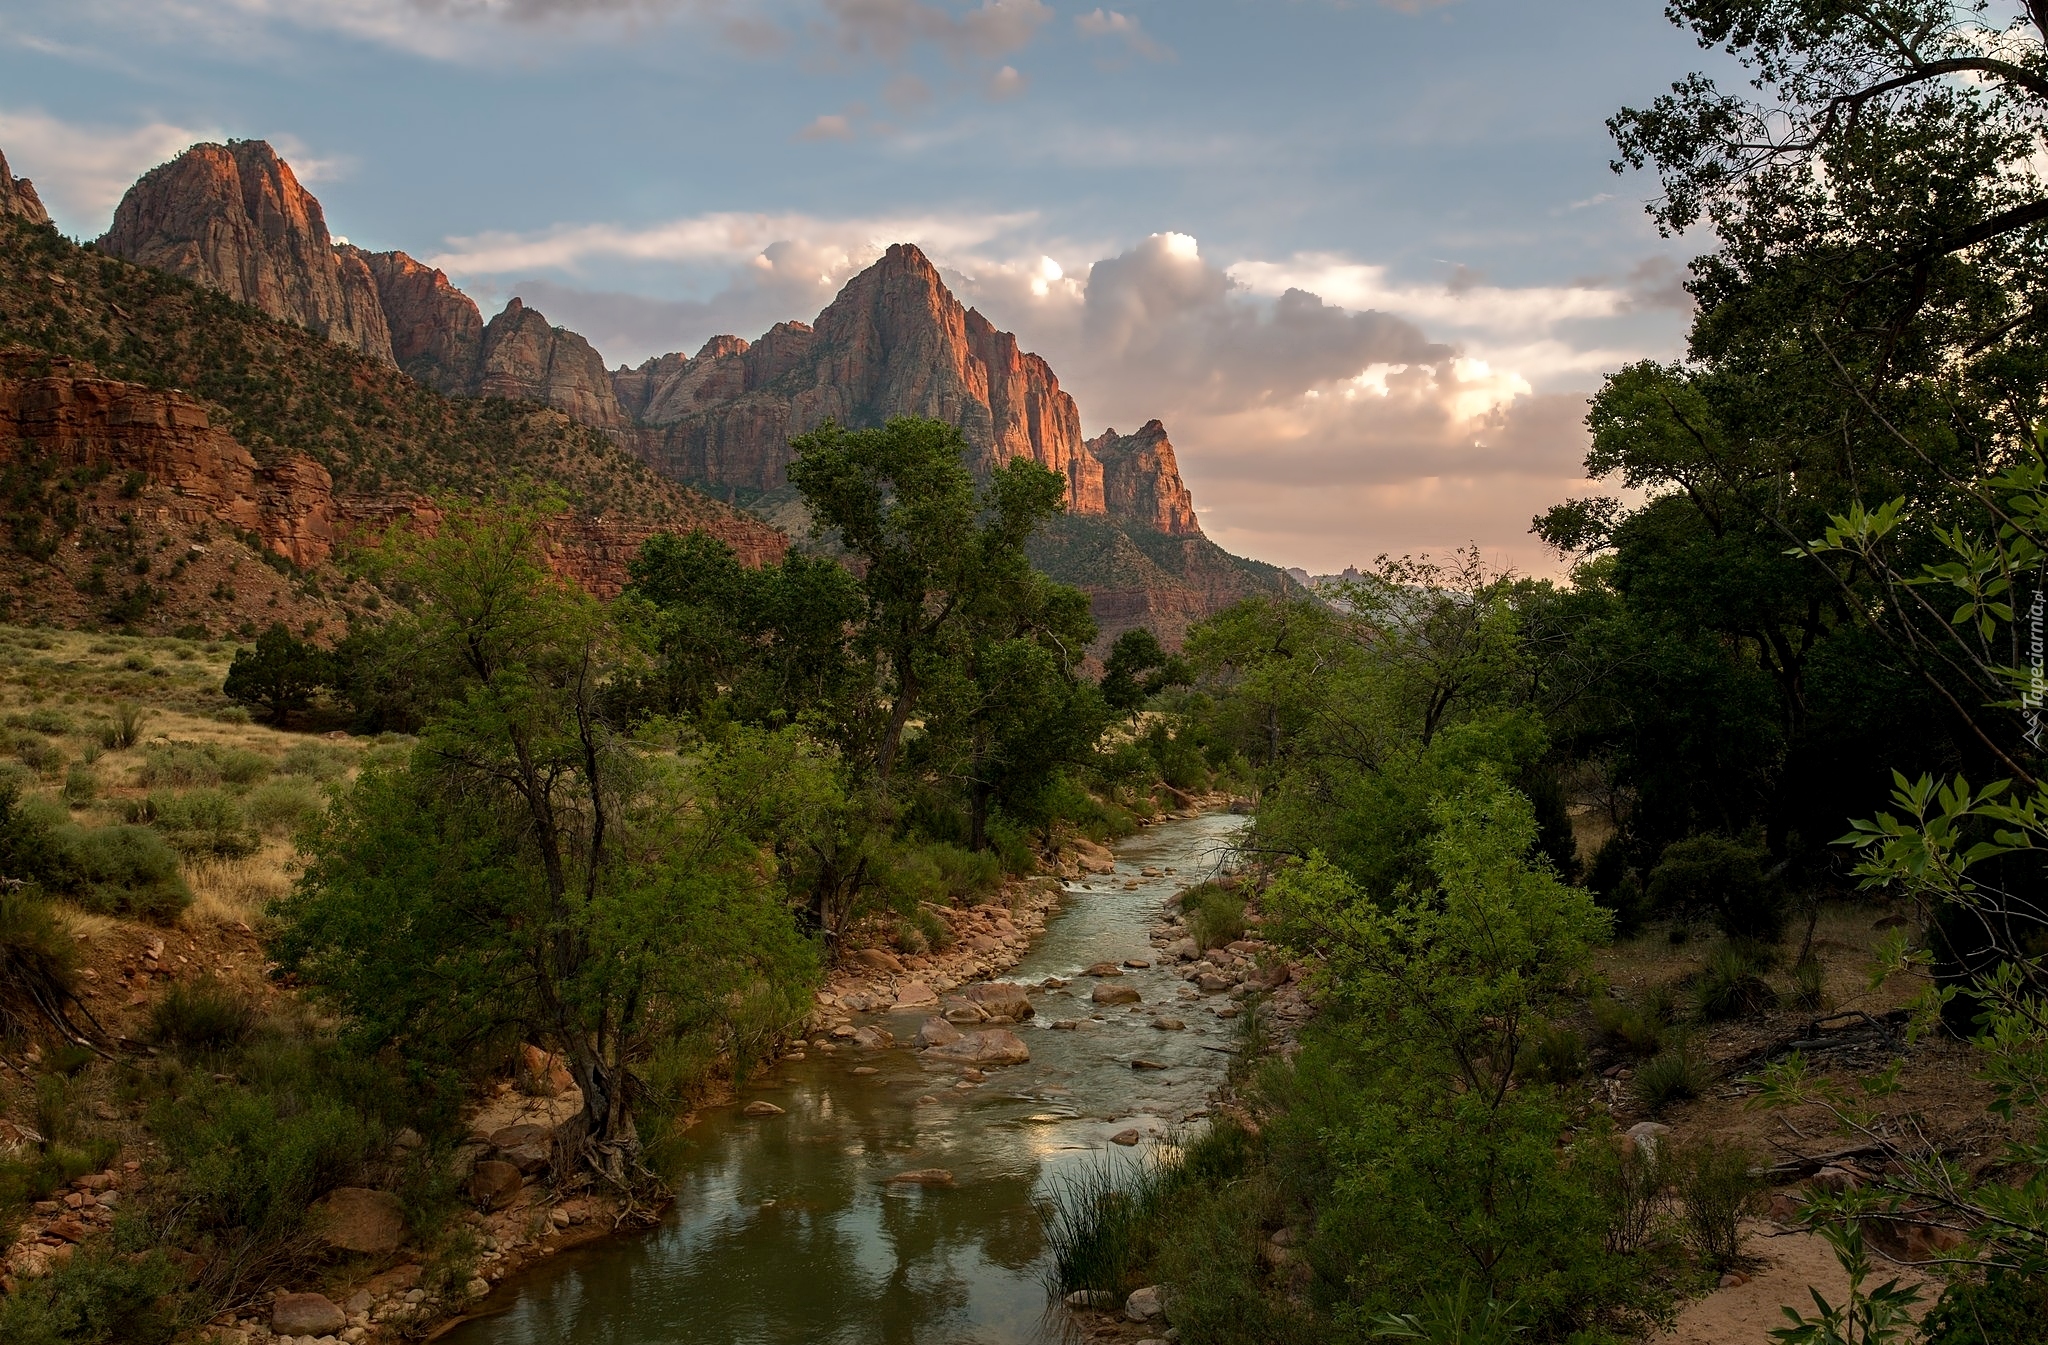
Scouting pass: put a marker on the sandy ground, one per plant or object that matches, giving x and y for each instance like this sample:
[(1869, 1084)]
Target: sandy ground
[(1788, 1263)]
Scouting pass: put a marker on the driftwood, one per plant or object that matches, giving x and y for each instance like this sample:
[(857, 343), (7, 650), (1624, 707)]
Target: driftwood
[(1850, 1030)]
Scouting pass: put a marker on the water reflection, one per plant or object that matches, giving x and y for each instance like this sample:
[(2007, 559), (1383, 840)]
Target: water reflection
[(786, 1228)]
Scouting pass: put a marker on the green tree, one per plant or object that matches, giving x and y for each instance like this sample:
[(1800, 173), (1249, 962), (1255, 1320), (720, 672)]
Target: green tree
[(532, 870), (279, 673), (937, 556), (1139, 668)]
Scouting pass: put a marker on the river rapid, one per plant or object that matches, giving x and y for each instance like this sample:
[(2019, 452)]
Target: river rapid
[(785, 1229)]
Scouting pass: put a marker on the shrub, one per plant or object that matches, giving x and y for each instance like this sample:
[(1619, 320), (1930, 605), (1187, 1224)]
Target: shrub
[(183, 764), (317, 761), (81, 783), (966, 873), (121, 871), (202, 1015), (1675, 1076), (1553, 1055), (1714, 1188), (124, 730), (1729, 986), (278, 807), (1215, 915), (2005, 1308), (48, 721), (234, 714), (1809, 984), (204, 823), (39, 754), (1723, 880), (1098, 1220), (96, 1298), (38, 961), (1637, 1029)]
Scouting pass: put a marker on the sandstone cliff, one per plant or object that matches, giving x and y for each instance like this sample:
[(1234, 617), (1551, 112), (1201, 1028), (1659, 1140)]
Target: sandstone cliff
[(895, 342), (1141, 481), (525, 359), (234, 218), (437, 334), (18, 197)]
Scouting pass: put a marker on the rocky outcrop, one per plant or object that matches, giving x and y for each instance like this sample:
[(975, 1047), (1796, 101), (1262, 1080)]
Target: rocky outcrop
[(18, 197), (895, 342), (55, 409), (437, 334), (525, 359), (234, 218), (1141, 482), (62, 411)]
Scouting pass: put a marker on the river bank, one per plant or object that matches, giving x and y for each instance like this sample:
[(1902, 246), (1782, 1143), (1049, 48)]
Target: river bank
[(792, 1222)]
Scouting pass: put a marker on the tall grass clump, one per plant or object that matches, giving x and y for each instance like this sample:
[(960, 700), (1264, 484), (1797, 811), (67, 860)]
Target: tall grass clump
[(280, 807), (1730, 984), (202, 1015), (1674, 1076), (124, 729), (1099, 1220), (1215, 915), (1715, 1187)]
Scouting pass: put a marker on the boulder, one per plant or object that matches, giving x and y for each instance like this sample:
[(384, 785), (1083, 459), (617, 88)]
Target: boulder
[(760, 1108), (546, 1070), (1143, 1304), (1169, 1024), (1644, 1137), (494, 1184), (306, 1315), (526, 1132), (1127, 1138), (1104, 969), (1182, 950), (986, 1049), (356, 1219), (872, 1038), (878, 959), (957, 1010), (1115, 994), (1210, 983), (1001, 1000), (915, 995), (937, 1031), (1092, 1298)]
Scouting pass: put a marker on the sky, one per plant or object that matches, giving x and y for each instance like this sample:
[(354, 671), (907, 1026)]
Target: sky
[(1364, 258)]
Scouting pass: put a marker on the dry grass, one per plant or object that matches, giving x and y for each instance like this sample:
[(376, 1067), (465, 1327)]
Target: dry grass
[(240, 891)]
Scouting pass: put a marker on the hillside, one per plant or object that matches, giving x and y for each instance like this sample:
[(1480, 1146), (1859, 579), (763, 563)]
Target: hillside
[(135, 405)]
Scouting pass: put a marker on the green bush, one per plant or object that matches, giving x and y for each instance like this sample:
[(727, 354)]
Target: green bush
[(278, 807), (1729, 986), (1215, 915), (202, 823), (96, 1298), (2004, 1308), (1674, 1076), (124, 730), (1712, 877), (1637, 1029), (1553, 1055), (202, 1015), (39, 754), (38, 961), (121, 870), (81, 783), (318, 761), (1714, 1188), (48, 721)]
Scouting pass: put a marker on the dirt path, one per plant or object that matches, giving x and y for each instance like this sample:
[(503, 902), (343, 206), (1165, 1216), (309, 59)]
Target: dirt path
[(1791, 1262)]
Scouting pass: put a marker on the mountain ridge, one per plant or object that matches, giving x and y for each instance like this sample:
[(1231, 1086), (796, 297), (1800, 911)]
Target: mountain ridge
[(894, 342)]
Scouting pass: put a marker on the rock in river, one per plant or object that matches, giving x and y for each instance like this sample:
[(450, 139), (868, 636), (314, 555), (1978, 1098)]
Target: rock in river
[(986, 1049), (1114, 994)]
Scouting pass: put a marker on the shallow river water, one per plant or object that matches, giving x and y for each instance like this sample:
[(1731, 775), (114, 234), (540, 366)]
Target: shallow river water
[(785, 1231)]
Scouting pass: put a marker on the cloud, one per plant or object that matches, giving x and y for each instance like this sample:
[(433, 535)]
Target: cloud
[(888, 30), (1005, 83), (1109, 23), (1466, 302), (827, 126), (80, 171), (728, 239)]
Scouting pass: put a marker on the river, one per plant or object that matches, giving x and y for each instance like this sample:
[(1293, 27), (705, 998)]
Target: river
[(785, 1230)]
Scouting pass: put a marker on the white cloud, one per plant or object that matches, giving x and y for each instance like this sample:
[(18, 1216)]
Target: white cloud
[(1124, 27), (1006, 83), (727, 238), (82, 171), (1466, 305)]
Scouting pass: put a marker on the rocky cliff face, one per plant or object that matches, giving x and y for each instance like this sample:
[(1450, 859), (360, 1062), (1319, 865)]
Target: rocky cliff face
[(437, 334), (525, 359), (62, 411), (894, 343), (18, 197), (233, 217), (1141, 481)]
